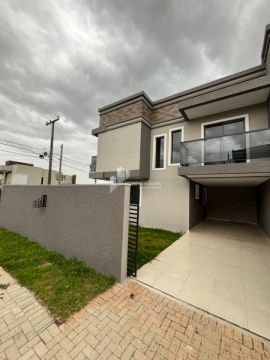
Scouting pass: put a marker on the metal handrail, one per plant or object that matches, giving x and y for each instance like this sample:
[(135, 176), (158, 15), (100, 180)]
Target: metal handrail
[(186, 151), (216, 137)]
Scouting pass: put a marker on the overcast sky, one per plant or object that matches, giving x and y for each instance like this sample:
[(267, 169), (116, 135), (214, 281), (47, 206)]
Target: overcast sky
[(69, 58)]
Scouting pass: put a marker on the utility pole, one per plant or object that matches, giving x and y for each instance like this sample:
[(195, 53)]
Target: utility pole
[(60, 165), (51, 122)]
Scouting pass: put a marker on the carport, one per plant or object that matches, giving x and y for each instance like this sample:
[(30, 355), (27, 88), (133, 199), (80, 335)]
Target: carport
[(221, 267), (230, 192), (224, 201), (222, 264)]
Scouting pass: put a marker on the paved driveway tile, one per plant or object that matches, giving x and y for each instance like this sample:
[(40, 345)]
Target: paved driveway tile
[(228, 272), (129, 321)]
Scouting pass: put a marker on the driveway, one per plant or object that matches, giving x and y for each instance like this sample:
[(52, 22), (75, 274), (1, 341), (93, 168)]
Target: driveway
[(128, 321), (220, 267)]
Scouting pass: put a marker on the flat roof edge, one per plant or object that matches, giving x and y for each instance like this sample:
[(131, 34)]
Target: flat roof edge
[(126, 99), (266, 42), (221, 80), (205, 86)]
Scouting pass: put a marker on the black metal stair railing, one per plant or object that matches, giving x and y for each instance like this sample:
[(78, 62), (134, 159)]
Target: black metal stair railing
[(133, 231)]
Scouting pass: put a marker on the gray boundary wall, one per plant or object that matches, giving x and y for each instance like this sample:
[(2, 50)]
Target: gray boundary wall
[(89, 222)]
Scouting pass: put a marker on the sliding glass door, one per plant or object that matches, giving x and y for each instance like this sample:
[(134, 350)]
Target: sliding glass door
[(225, 142)]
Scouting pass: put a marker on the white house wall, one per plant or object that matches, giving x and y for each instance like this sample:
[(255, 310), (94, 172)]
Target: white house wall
[(165, 196)]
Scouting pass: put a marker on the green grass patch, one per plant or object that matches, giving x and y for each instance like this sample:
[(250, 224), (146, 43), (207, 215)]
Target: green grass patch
[(63, 285), (152, 242)]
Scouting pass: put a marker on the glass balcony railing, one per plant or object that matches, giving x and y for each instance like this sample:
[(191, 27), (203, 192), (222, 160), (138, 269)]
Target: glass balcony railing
[(235, 148)]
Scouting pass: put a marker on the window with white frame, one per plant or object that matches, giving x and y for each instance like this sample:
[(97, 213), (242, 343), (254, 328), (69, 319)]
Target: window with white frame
[(159, 152), (175, 139)]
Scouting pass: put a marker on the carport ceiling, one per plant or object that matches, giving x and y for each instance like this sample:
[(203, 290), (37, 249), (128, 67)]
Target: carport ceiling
[(231, 181)]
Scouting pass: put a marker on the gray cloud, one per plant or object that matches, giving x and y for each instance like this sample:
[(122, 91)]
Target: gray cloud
[(70, 58)]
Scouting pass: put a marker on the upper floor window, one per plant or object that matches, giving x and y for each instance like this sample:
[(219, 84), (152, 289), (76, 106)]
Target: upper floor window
[(224, 128), (159, 152), (175, 139), (225, 142)]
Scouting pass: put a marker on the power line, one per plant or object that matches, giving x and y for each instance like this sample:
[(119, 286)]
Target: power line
[(32, 156), (35, 152), (20, 147), (7, 128), (40, 150), (77, 167), (19, 135), (22, 143), (19, 107), (75, 161), (74, 168), (11, 102), (26, 140), (14, 142), (67, 158), (14, 152), (15, 134), (72, 161), (23, 109)]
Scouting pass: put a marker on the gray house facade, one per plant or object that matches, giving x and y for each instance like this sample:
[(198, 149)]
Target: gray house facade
[(202, 153)]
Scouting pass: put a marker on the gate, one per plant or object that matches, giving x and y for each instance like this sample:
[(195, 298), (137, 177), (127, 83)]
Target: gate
[(133, 230)]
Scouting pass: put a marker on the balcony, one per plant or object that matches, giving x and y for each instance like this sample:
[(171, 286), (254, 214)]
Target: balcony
[(228, 156), (235, 148)]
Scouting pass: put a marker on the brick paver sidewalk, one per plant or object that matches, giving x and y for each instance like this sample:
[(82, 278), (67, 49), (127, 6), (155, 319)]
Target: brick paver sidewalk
[(127, 322)]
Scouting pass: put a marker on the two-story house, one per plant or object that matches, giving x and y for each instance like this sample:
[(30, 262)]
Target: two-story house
[(201, 153)]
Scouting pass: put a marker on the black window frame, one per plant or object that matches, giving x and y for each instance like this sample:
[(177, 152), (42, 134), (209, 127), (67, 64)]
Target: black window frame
[(221, 124), (158, 157), (172, 131)]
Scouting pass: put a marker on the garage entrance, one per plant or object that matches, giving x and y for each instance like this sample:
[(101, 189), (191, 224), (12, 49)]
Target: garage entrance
[(237, 200), (222, 265), (238, 204)]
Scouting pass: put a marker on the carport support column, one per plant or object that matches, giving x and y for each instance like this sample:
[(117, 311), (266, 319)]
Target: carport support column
[(196, 208)]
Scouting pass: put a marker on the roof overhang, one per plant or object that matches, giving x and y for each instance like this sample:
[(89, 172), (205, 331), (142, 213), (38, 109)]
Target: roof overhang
[(232, 180), (237, 174), (244, 94)]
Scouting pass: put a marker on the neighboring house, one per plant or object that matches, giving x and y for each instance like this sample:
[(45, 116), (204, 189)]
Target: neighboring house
[(18, 173), (200, 153)]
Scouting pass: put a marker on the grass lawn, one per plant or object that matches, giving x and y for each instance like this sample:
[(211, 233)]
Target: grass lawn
[(152, 242), (63, 285)]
